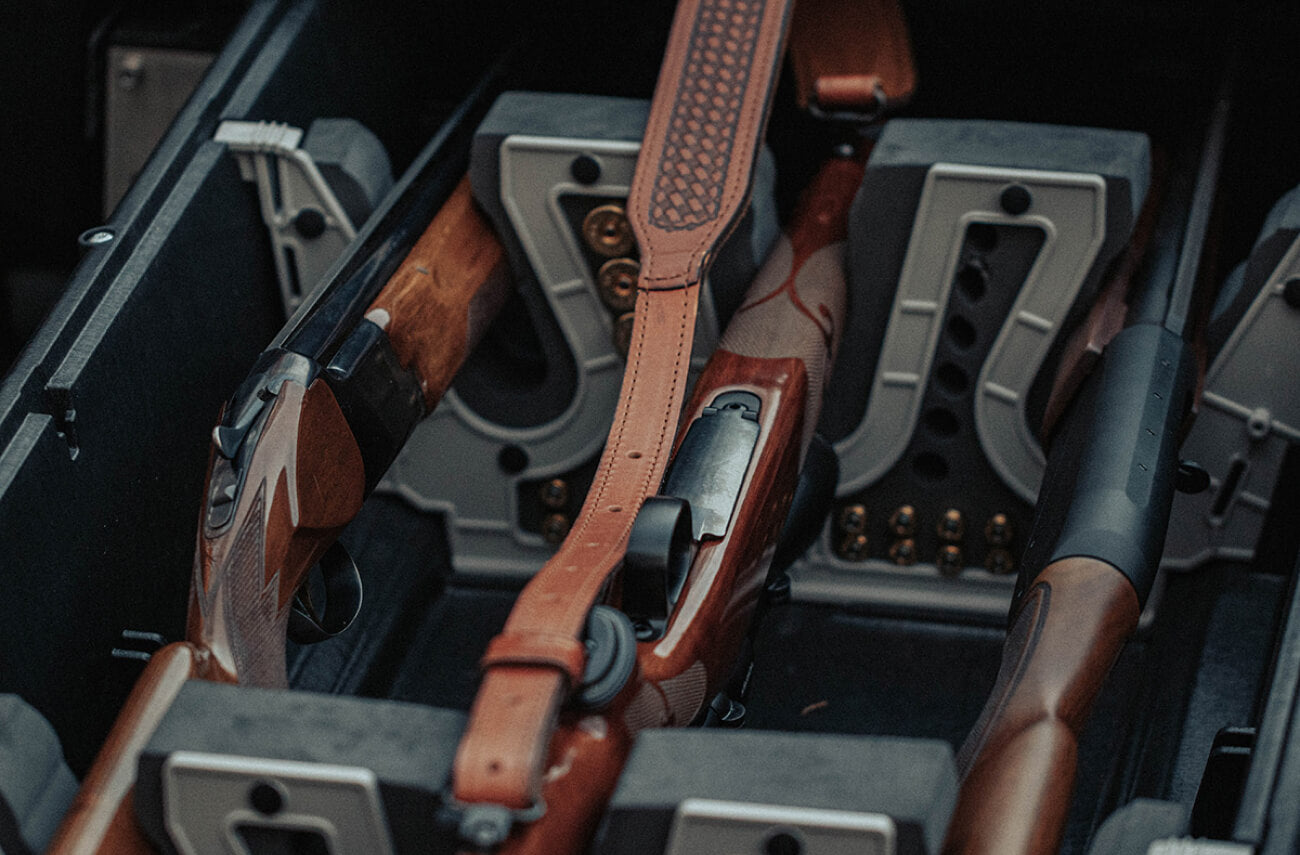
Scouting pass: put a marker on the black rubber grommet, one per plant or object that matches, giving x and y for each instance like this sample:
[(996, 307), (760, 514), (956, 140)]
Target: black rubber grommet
[(611, 657)]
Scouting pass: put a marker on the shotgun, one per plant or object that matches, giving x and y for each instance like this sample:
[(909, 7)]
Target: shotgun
[(1098, 534), (296, 450)]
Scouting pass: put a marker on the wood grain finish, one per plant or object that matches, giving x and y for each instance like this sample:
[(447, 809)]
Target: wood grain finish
[(1018, 764), (304, 482), (714, 90), (788, 328), (443, 296), (678, 674), (843, 52), (100, 818)]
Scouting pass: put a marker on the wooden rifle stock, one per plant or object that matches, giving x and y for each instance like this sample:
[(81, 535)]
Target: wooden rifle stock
[(1098, 536), (280, 493), (779, 347), (1019, 761)]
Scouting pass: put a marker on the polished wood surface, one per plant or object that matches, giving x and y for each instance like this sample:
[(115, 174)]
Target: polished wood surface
[(1018, 764), (787, 331), (443, 296), (843, 52), (692, 180), (678, 674), (100, 818), (304, 482)]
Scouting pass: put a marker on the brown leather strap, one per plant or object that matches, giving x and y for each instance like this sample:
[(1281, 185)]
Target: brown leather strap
[(692, 179), (851, 55), (561, 652)]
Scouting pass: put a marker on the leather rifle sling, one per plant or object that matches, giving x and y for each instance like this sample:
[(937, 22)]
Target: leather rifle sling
[(851, 56), (691, 184)]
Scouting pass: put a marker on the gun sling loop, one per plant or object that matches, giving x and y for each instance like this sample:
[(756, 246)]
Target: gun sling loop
[(851, 59), (691, 184)]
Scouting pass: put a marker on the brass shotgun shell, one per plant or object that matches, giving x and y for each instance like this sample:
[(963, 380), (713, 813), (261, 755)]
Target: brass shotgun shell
[(622, 336), (999, 561), (852, 519), (998, 530), (952, 526), (607, 231), (616, 283), (902, 522), (852, 547), (903, 552), (555, 493), (555, 528), (950, 561)]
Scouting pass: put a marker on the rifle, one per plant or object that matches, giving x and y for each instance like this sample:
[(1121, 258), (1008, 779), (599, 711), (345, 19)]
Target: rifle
[(297, 448), (1096, 543), (700, 551), (692, 180)]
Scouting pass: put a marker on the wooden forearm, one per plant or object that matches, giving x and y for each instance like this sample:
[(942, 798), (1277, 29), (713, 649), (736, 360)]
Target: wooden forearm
[(100, 819), (443, 296), (1018, 764)]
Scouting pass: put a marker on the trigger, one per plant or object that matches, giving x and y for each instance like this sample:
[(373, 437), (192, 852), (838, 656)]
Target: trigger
[(341, 582)]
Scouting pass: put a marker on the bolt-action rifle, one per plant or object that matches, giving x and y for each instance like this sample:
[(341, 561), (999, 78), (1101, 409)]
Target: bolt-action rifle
[(699, 553), (298, 446), (692, 180), (1092, 557)]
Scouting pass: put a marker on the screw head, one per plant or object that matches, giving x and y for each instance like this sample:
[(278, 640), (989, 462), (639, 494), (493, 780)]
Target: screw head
[(1016, 199), (98, 236), (585, 169)]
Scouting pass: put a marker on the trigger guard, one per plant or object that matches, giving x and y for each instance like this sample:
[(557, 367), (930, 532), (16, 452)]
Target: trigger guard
[(342, 599)]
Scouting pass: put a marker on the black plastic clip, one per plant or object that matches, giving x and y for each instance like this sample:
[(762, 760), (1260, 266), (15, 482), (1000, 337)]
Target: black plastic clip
[(611, 658)]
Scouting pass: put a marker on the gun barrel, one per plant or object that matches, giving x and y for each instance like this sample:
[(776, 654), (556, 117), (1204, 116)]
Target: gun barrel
[(1093, 553)]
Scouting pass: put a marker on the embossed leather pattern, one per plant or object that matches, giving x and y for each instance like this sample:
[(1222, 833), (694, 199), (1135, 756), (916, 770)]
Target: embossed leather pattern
[(693, 176), (718, 123), (688, 187)]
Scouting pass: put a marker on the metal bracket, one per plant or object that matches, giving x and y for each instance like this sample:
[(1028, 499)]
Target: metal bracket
[(707, 825), (217, 804), (309, 225)]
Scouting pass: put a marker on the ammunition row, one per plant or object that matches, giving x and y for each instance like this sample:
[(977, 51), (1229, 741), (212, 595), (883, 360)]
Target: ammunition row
[(852, 542)]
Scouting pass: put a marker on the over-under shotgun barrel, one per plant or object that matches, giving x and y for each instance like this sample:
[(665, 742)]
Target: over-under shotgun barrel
[(289, 469)]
